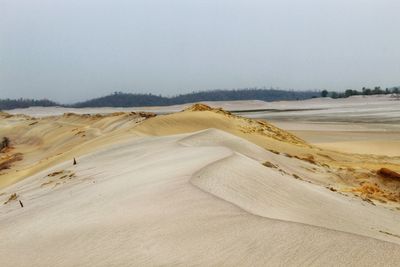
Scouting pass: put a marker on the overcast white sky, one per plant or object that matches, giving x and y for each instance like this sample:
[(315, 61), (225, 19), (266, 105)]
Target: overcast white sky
[(76, 49)]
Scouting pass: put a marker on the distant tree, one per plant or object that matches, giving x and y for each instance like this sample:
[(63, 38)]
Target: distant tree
[(350, 92), (366, 91), (334, 95), (324, 93), (396, 93), (377, 90)]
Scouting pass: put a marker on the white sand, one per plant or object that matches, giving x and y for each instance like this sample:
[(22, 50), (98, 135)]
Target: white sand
[(135, 204)]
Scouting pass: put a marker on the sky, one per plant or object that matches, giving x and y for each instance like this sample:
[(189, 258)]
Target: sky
[(70, 50)]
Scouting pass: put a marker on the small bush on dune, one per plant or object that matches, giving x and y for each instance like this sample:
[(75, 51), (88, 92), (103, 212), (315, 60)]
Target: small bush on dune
[(5, 143), (387, 173), (11, 198), (5, 163)]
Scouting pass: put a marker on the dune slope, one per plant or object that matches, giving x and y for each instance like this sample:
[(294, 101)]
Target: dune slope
[(144, 210)]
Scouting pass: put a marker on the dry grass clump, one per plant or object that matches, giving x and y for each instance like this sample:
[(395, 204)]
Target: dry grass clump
[(6, 161), (326, 156), (387, 173), (274, 151), (80, 132), (199, 107), (296, 176), (5, 144), (69, 114), (387, 233), (86, 116), (147, 114), (142, 114), (55, 173), (270, 165), (11, 198), (309, 159), (63, 175), (369, 191), (265, 129), (203, 107), (5, 115), (46, 183)]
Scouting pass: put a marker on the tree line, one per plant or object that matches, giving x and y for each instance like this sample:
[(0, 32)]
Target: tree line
[(25, 103), (377, 90), (120, 99)]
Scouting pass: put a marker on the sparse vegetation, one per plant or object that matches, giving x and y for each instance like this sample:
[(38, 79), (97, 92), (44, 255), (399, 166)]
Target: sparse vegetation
[(5, 163), (270, 165), (5, 143), (274, 151), (387, 173), (11, 198), (368, 191), (387, 233), (296, 176), (55, 173), (309, 159)]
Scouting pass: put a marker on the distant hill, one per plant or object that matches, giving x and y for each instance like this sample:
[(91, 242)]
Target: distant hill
[(119, 99)]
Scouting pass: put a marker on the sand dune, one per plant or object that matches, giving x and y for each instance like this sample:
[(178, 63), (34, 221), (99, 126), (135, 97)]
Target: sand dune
[(190, 188), (128, 212), (45, 142), (274, 194)]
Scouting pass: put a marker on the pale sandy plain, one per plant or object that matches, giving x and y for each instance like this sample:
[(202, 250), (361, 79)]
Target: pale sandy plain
[(201, 187)]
